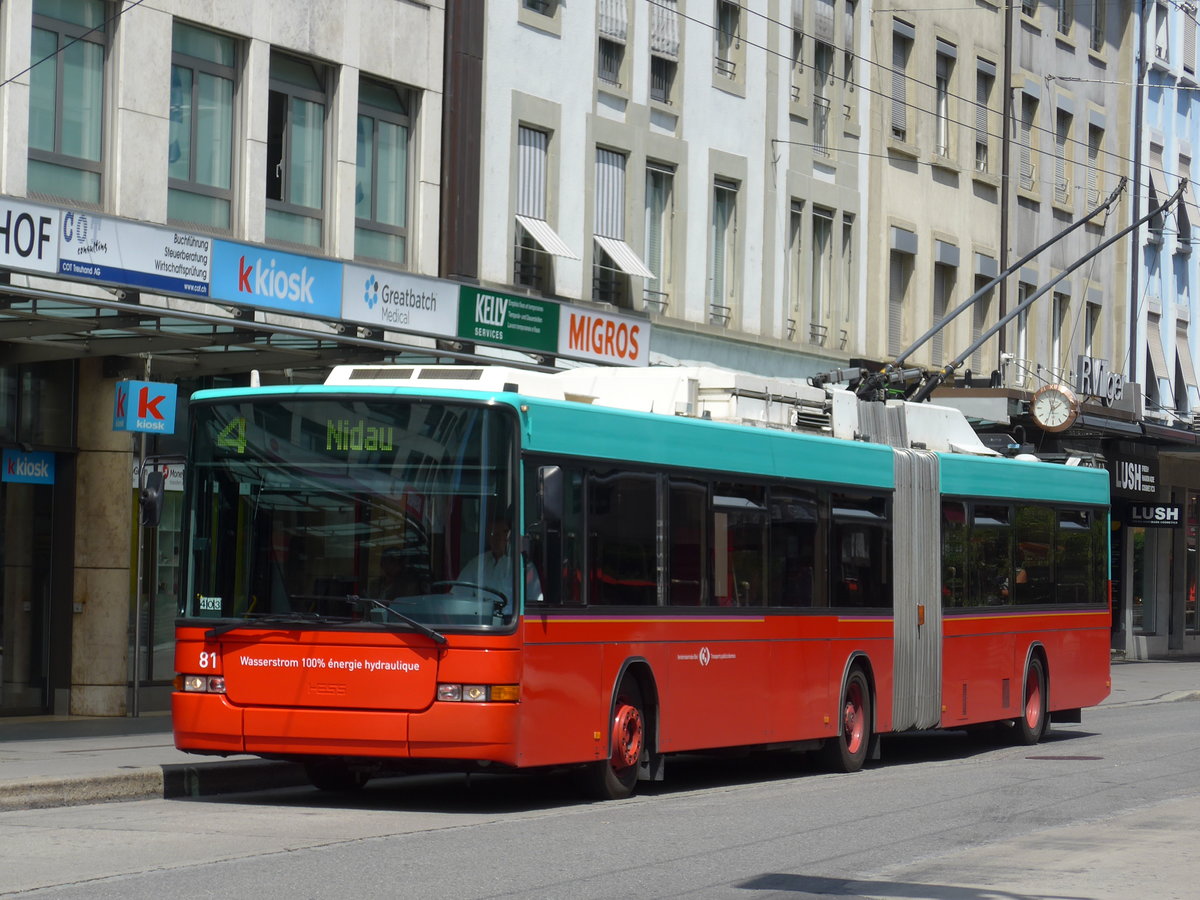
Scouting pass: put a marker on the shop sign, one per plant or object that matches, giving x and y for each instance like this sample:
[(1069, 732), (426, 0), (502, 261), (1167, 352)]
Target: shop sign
[(172, 474), (1096, 379), (27, 467), (272, 279), (1136, 478), (600, 337), (399, 301), (28, 237), (492, 317), (1155, 515), (116, 251), (144, 406)]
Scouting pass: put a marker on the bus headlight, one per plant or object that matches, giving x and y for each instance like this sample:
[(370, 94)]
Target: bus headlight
[(479, 693)]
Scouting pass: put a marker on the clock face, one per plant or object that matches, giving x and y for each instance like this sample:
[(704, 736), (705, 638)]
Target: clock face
[(1053, 408)]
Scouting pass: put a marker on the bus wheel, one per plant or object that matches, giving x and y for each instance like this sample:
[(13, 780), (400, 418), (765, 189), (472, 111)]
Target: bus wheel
[(335, 775), (616, 777), (848, 750), (1031, 727)]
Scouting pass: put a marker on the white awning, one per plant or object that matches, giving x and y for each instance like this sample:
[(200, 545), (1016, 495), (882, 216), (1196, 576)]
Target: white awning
[(1183, 353), (1154, 346), (546, 237), (624, 257)]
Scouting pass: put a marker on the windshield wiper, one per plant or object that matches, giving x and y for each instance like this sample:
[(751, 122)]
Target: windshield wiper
[(291, 618), (419, 627)]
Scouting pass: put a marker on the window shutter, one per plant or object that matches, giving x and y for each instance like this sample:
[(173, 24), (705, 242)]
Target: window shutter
[(664, 28), (614, 21), (531, 172), (899, 101), (610, 194)]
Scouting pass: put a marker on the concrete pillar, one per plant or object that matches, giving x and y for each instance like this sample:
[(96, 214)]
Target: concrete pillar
[(103, 513)]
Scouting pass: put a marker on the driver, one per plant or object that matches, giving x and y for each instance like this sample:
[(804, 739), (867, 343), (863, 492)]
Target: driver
[(493, 568)]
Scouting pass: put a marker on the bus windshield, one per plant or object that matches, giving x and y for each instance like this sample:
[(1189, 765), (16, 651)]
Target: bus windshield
[(330, 511)]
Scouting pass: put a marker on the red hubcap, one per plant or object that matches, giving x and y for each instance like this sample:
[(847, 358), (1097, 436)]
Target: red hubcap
[(1033, 699), (853, 718), (627, 736)]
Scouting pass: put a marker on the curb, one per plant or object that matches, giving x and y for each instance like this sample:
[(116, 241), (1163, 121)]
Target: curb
[(184, 780), (166, 782)]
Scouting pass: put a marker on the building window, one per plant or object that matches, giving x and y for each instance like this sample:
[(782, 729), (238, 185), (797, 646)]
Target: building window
[(1029, 8), (1183, 213), (1028, 146), (664, 50), (1098, 25), (1024, 292), (1189, 37), (797, 65), (900, 269), (613, 25), (615, 261), (1059, 311), (1162, 36), (944, 278), (941, 112), (543, 7), (1066, 12), (848, 55), (847, 270), (822, 274), (200, 147), (660, 218), (823, 62), (901, 50), (795, 266), (536, 241), (722, 275), (66, 99), (296, 105), (985, 78), (1095, 183), (981, 313), (1091, 328), (728, 38), (381, 172), (1062, 158)]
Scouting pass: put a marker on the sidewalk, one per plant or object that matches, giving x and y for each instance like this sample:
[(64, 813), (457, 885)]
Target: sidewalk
[(65, 761)]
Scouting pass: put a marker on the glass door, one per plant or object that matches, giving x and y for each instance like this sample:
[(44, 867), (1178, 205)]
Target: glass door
[(25, 555)]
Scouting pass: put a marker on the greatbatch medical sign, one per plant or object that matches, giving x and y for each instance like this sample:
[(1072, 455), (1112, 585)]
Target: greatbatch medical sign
[(272, 279)]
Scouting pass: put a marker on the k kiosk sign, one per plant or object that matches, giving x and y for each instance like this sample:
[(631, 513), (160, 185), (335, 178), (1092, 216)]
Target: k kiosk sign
[(145, 406)]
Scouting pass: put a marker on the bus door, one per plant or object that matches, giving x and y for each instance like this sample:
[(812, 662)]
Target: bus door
[(917, 614)]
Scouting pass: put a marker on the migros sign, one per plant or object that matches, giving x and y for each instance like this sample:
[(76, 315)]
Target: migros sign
[(603, 338)]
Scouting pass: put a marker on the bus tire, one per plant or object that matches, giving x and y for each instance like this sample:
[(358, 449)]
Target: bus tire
[(847, 751), (1031, 726), (616, 778), (335, 775)]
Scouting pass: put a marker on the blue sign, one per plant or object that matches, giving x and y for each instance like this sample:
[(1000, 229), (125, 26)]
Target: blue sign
[(145, 406), (271, 279), (28, 468)]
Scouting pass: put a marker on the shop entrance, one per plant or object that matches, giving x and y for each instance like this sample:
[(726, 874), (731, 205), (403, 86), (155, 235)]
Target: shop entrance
[(26, 553)]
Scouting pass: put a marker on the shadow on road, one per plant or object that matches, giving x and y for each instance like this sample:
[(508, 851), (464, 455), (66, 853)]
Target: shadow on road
[(817, 886), (501, 793)]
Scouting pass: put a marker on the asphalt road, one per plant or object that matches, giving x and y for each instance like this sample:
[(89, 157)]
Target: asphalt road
[(1106, 809)]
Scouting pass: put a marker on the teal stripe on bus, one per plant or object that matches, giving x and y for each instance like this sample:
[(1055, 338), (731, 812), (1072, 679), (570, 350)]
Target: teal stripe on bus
[(971, 476)]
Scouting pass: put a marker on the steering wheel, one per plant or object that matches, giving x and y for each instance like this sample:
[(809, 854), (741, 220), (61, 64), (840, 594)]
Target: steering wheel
[(498, 603)]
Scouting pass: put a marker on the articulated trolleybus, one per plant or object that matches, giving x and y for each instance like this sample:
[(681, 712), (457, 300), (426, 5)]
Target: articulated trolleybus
[(479, 568)]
